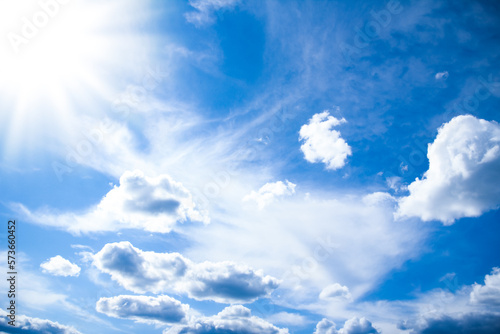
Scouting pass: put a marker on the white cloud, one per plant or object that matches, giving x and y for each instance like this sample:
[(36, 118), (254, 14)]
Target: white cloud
[(351, 326), (442, 75), (335, 291), (235, 319), (269, 192), (153, 204), (322, 144), (204, 14), (30, 325), (489, 293), (163, 309), (464, 169), (140, 271), (285, 318), (59, 266)]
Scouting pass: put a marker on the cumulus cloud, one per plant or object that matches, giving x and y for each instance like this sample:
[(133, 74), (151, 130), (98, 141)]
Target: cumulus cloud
[(285, 318), (153, 204), (59, 266), (463, 176), (442, 75), (204, 14), (489, 293), (269, 192), (468, 323), (162, 309), (140, 272), (235, 319), (335, 291), (351, 326), (322, 143), (30, 325)]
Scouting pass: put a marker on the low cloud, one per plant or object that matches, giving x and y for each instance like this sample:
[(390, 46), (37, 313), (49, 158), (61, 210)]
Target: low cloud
[(488, 293), (269, 192), (30, 325), (163, 309), (59, 266), (463, 176), (235, 319), (322, 143), (223, 282), (351, 326), (154, 204)]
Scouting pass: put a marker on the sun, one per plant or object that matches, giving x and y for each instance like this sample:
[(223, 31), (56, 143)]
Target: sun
[(56, 57)]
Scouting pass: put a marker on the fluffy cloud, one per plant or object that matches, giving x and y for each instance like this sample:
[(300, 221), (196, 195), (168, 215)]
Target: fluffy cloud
[(205, 10), (268, 193), (224, 282), (144, 309), (442, 75), (464, 169), (351, 326), (489, 293), (469, 323), (235, 319), (322, 144), (59, 266), (30, 325), (335, 291), (153, 204)]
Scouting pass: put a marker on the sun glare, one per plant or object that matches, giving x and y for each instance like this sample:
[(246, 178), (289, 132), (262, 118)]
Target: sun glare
[(55, 55)]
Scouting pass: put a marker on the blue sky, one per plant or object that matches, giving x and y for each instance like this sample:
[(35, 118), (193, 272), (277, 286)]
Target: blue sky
[(222, 166)]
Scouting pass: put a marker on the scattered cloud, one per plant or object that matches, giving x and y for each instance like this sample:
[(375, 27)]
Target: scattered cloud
[(269, 192), (140, 271), (322, 143), (204, 14), (30, 325), (464, 169), (351, 326), (153, 204), (163, 309), (59, 266), (442, 75), (235, 319), (335, 291)]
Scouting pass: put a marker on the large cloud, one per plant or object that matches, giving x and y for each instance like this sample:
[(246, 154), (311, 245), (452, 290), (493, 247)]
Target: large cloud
[(469, 323), (322, 144), (224, 282), (351, 326), (162, 309), (153, 204), (30, 325), (463, 179), (235, 319), (59, 266), (269, 192)]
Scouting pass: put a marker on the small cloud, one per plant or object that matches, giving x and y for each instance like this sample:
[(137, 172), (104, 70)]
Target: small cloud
[(289, 319), (59, 266), (322, 143), (441, 75), (270, 191), (205, 9), (335, 292)]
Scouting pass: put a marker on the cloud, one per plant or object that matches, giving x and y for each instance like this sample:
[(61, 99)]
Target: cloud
[(322, 144), (30, 325), (285, 318), (223, 282), (468, 323), (351, 326), (269, 192), (489, 293), (153, 204), (335, 291), (162, 309), (235, 319), (204, 14), (442, 75), (464, 169), (59, 266)]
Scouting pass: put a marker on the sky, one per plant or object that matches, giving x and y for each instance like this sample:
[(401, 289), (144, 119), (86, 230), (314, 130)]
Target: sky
[(225, 166)]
